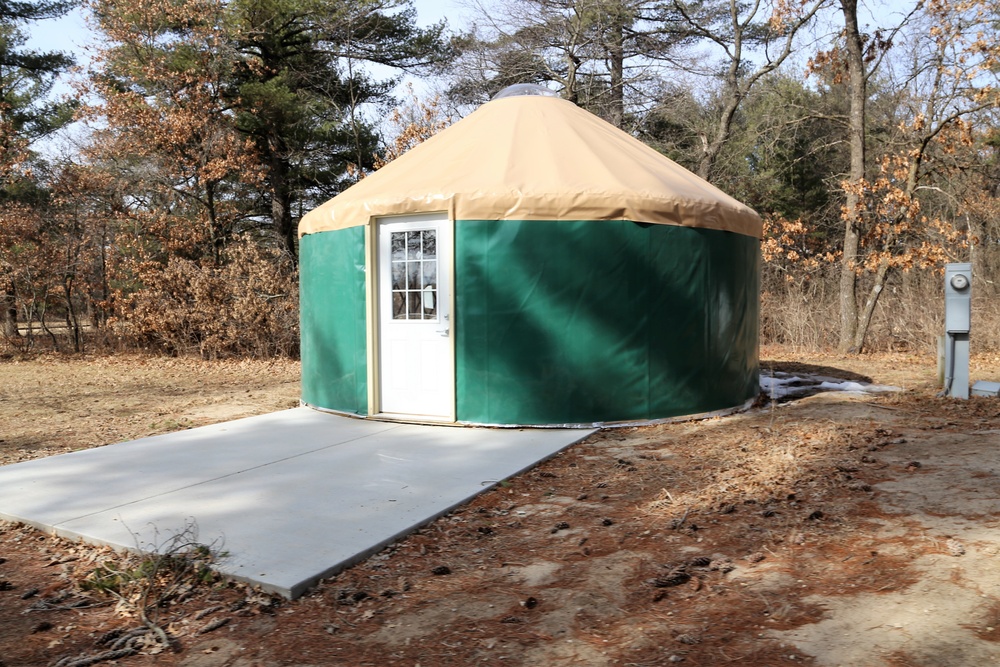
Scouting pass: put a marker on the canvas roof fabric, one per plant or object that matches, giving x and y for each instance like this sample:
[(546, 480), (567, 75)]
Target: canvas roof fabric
[(535, 158)]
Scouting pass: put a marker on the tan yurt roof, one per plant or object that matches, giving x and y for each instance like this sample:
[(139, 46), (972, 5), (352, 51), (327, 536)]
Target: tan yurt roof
[(535, 158)]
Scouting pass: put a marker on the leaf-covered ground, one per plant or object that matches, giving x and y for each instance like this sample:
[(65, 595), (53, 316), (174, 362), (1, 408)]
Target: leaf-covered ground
[(832, 530)]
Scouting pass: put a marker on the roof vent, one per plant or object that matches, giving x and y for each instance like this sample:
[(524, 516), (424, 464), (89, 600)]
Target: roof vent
[(525, 89)]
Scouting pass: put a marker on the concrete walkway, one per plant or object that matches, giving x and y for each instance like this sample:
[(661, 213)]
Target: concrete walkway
[(292, 496)]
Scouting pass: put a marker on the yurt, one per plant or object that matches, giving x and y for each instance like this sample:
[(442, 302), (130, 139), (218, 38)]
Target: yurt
[(530, 265)]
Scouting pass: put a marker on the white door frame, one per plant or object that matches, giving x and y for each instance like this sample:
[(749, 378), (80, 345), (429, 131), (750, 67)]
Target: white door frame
[(376, 278)]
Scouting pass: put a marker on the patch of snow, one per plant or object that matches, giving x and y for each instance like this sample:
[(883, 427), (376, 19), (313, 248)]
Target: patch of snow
[(779, 385), (769, 382), (860, 387)]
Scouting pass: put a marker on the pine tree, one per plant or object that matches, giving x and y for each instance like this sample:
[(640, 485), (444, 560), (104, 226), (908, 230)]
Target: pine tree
[(300, 85), (27, 114), (26, 78)]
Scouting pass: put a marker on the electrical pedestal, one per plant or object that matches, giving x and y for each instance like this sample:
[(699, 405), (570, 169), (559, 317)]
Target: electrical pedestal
[(957, 321)]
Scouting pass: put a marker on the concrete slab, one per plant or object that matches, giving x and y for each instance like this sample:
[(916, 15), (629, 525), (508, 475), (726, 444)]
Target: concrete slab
[(292, 497)]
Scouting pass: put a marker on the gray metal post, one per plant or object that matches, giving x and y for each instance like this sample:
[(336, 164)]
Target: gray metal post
[(957, 322)]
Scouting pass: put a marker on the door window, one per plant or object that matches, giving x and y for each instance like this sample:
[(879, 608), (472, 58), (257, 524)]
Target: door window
[(414, 274)]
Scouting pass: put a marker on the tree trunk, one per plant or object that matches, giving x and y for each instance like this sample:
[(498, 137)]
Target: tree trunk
[(723, 130), (865, 320), (8, 301), (732, 95), (43, 324), (72, 319), (281, 203), (570, 92), (100, 316), (858, 94)]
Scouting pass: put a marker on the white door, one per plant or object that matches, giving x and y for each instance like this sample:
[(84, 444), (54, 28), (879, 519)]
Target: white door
[(416, 364)]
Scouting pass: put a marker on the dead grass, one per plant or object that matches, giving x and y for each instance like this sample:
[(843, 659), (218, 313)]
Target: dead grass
[(55, 403)]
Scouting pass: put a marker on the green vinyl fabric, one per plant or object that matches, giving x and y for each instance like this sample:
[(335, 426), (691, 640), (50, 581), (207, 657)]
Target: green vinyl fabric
[(563, 322), (332, 314)]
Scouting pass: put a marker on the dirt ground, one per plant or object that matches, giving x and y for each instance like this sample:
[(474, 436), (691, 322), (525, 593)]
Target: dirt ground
[(832, 530)]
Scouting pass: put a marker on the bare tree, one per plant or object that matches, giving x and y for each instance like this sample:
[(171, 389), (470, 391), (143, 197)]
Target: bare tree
[(738, 45), (948, 74)]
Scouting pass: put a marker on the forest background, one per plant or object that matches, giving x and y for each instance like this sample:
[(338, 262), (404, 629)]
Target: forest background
[(155, 206)]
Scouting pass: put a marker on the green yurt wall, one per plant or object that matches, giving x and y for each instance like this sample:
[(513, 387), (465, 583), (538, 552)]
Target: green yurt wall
[(582, 322), (333, 320)]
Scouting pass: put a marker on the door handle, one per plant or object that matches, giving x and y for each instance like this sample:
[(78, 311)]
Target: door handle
[(443, 332)]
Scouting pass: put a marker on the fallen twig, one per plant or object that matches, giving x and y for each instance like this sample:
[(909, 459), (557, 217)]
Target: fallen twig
[(212, 625)]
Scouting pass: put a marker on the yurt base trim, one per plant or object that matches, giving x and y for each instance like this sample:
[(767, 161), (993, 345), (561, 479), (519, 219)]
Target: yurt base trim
[(725, 412), (409, 419)]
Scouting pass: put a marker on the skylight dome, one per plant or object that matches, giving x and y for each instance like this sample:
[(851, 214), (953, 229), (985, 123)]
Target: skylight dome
[(525, 89)]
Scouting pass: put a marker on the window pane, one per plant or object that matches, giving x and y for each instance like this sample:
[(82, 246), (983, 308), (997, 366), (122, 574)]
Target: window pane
[(430, 274), (413, 245), (414, 309), (398, 305), (430, 244), (430, 303), (398, 275), (398, 241), (413, 275)]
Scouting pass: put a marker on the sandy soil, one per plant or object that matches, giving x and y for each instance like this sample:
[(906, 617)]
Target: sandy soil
[(832, 530)]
